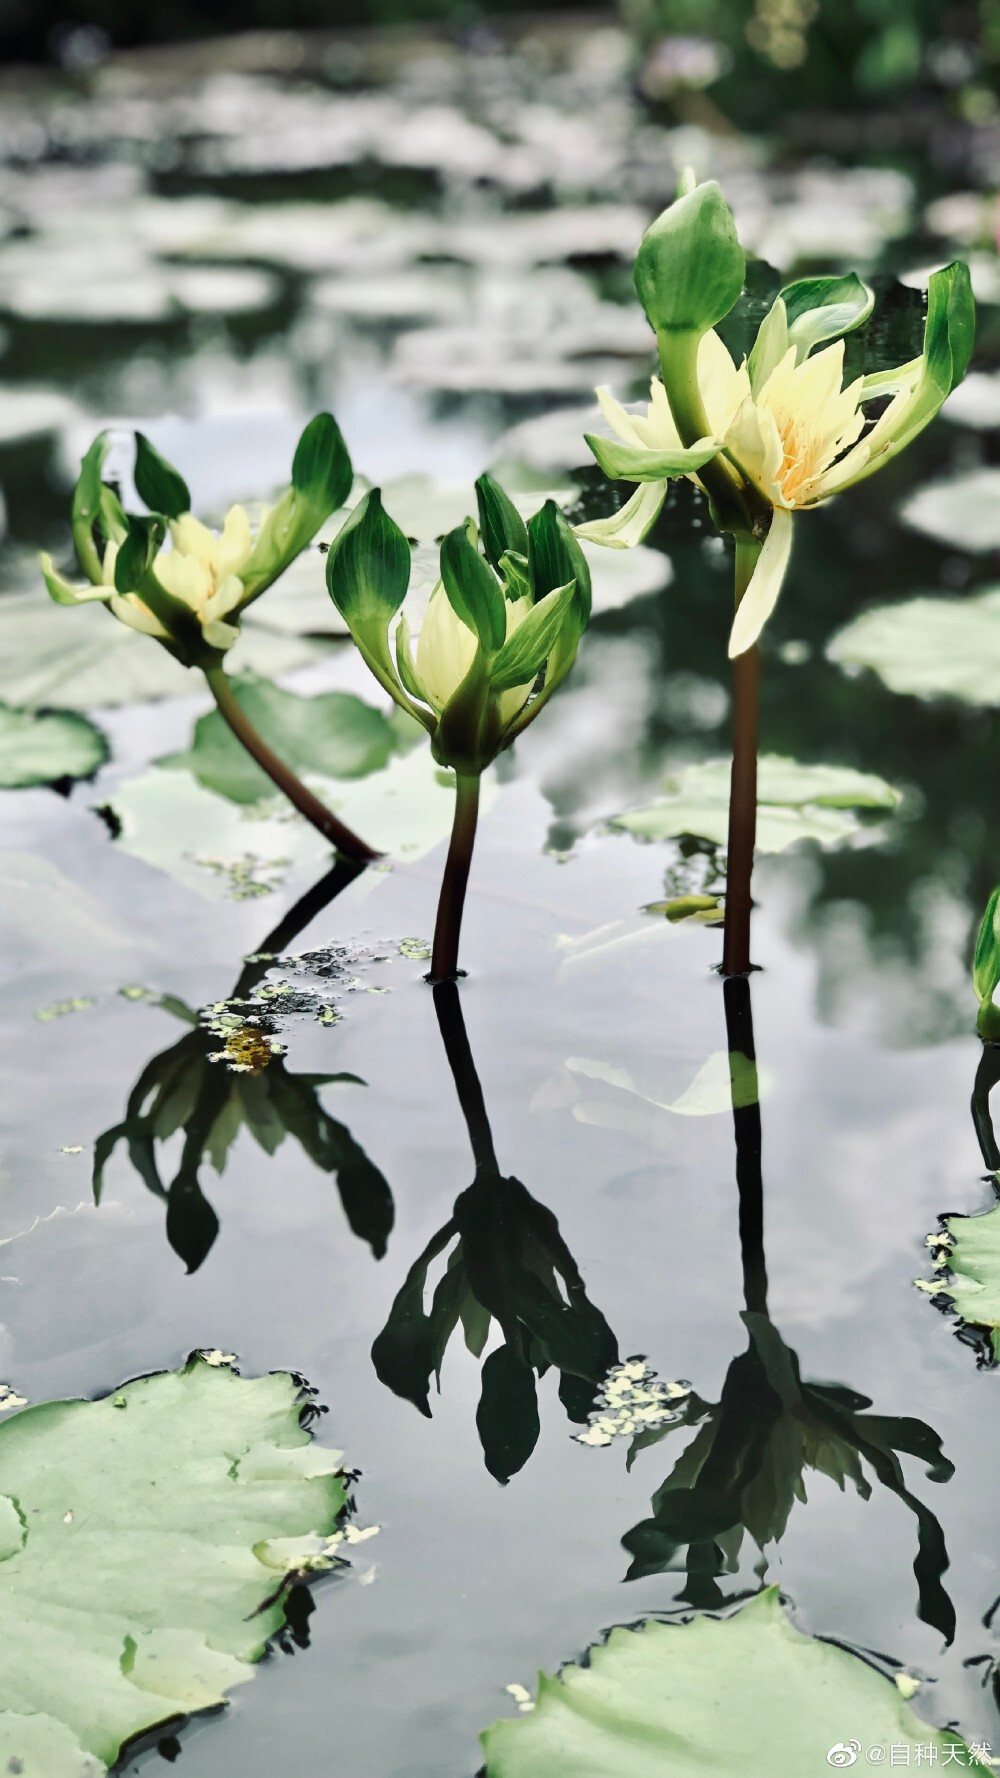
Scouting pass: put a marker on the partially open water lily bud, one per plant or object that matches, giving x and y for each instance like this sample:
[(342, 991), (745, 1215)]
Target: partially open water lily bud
[(499, 633), (170, 577), (690, 267)]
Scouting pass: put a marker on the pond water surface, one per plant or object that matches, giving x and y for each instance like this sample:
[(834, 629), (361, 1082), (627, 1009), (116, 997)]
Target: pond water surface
[(387, 249)]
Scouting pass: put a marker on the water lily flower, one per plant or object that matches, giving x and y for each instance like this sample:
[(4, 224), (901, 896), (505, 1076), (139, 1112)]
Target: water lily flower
[(169, 576), (778, 432), (765, 438), (498, 636), (508, 610)]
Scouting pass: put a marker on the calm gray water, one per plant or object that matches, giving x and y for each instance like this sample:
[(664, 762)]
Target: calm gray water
[(386, 251)]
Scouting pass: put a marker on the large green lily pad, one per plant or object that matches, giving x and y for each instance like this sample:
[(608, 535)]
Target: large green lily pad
[(794, 802), (40, 747), (143, 1542), (929, 648), (748, 1692), (334, 734)]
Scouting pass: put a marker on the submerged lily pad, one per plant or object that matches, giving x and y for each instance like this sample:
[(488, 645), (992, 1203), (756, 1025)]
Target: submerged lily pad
[(220, 848), (40, 747), (334, 734), (973, 1260), (929, 648), (679, 1698), (795, 802), (963, 512), (144, 1538)]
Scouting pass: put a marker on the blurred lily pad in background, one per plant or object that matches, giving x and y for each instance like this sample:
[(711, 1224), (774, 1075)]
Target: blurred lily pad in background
[(333, 735), (930, 648), (44, 746), (795, 802)]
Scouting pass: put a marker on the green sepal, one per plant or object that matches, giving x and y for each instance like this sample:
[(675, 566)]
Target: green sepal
[(86, 507), (64, 592), (690, 267), (522, 658), (821, 309), (137, 553), (134, 574), (368, 566), (556, 559), (515, 573), (158, 484), (633, 463), (949, 332), (321, 482), (472, 590), (367, 574), (468, 730), (986, 963), (950, 328), (501, 526)]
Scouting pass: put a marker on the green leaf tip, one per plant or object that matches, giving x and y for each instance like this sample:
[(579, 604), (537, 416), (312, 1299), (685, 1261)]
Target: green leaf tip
[(158, 484), (321, 467), (690, 266)]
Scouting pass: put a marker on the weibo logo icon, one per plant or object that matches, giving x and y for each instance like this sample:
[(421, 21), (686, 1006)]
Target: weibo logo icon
[(845, 1753)]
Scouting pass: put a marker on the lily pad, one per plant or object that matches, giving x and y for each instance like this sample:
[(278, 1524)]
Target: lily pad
[(334, 734), (795, 802), (929, 648), (144, 1539), (84, 659), (974, 1265), (963, 512), (40, 747), (222, 849), (679, 1698)]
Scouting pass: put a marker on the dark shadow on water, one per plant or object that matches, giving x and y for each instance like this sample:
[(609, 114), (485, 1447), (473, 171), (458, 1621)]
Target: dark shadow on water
[(181, 1088), (507, 1262), (745, 1468)]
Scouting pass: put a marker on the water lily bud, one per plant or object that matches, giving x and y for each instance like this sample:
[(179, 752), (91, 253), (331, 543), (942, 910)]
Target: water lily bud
[(690, 266)]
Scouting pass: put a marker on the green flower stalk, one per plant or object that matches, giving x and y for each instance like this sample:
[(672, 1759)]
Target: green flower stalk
[(765, 439), (168, 576), (499, 634)]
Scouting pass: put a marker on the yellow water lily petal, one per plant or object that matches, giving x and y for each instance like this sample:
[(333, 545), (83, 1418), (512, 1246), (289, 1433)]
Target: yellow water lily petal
[(761, 595), (233, 548), (623, 424), (186, 577), (229, 595), (131, 611), (446, 649), (724, 386), (194, 539), (220, 635)]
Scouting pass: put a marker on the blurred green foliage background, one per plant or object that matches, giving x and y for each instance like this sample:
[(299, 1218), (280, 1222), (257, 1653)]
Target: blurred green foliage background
[(794, 53)]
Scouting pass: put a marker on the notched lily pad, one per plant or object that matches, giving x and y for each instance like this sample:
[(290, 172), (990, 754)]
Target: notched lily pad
[(794, 802), (968, 1254), (42, 746), (679, 1698), (140, 1573), (929, 647)]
